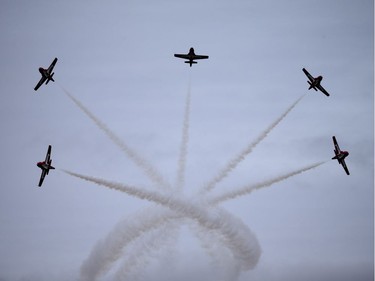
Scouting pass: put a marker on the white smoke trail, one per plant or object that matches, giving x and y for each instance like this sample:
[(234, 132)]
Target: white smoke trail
[(250, 188), (150, 171), (232, 164), (184, 142), (223, 262), (239, 239), (109, 250), (149, 247), (139, 256), (242, 243)]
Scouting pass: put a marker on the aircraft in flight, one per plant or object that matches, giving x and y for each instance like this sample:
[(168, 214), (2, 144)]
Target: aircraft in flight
[(340, 155), (315, 82), (45, 166), (47, 74), (190, 57)]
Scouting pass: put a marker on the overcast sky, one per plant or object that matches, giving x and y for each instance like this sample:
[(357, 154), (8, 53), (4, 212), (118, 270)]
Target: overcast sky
[(116, 58)]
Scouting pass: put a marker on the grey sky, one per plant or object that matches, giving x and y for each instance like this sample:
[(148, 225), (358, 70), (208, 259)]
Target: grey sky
[(117, 59)]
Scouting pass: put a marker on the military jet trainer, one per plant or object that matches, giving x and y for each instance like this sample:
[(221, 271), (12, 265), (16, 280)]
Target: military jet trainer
[(315, 82), (190, 57), (45, 166), (340, 155), (47, 74)]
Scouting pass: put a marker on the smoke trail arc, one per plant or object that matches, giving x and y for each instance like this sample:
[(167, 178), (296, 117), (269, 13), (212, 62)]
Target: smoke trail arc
[(220, 255), (157, 241), (243, 244), (109, 250)]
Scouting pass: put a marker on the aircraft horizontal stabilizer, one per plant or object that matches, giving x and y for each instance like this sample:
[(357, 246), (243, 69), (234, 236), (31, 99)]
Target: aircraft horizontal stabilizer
[(311, 86)]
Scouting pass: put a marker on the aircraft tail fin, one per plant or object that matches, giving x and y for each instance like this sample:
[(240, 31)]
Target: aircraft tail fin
[(50, 166)]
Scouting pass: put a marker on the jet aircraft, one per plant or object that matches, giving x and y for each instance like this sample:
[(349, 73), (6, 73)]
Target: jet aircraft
[(45, 166), (190, 57), (340, 155), (47, 74), (315, 82)]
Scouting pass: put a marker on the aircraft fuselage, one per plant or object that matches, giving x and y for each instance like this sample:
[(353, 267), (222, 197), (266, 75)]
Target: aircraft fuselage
[(316, 83), (44, 166), (341, 155), (43, 72), (48, 76), (191, 54)]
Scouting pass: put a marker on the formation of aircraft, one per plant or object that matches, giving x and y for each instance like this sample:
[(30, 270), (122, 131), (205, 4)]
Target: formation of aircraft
[(47, 74), (340, 155), (315, 82), (45, 166), (190, 57)]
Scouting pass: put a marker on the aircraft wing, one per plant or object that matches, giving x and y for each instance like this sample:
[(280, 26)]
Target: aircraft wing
[(42, 177), (48, 155), (337, 148), (323, 90), (345, 167), (181, 56), (40, 83), (199, 57), (308, 75), (50, 68)]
